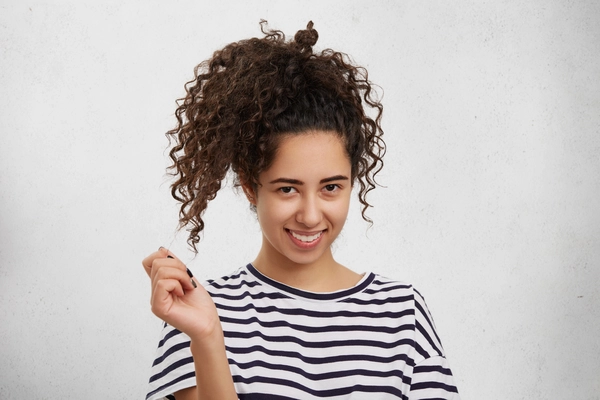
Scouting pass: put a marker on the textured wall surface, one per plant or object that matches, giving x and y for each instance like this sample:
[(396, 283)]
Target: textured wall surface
[(490, 206)]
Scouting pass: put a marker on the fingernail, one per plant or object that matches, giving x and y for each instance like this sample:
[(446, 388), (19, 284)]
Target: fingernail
[(191, 276), (160, 248), (169, 257)]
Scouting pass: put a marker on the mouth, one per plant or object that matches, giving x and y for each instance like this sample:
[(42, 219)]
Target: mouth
[(305, 240)]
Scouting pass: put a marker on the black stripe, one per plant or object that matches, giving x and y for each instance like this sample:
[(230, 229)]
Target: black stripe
[(321, 393), (317, 314), (325, 375), (427, 317), (323, 360), (421, 350), (425, 334), (311, 295), (318, 345), (253, 296), (174, 381), (168, 336), (226, 278), (436, 398), (387, 300), (388, 288), (432, 368), (434, 385), (387, 282), (235, 286), (171, 350), (172, 367), (262, 396), (319, 329)]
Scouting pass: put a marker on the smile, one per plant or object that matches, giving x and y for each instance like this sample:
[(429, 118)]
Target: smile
[(306, 239)]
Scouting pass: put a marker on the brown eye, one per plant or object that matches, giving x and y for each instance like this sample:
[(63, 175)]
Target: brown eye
[(331, 188), (286, 189)]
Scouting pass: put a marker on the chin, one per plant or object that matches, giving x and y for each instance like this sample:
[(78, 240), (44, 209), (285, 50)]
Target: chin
[(305, 257)]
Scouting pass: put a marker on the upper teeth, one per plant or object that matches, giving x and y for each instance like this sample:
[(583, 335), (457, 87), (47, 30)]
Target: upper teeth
[(306, 238)]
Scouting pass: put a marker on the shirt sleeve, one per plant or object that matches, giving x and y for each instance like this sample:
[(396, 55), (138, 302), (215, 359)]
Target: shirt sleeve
[(432, 377), (173, 366)]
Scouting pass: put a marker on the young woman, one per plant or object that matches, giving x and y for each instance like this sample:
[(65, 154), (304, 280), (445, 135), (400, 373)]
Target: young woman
[(293, 324)]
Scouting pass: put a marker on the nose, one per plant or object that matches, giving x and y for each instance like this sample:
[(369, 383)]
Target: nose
[(309, 212)]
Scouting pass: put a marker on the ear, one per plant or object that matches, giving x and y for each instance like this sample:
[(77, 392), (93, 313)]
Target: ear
[(250, 193)]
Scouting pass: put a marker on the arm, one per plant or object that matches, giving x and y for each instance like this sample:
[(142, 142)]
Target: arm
[(212, 373), (186, 394), (190, 309), (213, 377)]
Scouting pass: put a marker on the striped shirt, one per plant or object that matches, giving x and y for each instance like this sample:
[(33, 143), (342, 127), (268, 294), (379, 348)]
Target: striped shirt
[(375, 340)]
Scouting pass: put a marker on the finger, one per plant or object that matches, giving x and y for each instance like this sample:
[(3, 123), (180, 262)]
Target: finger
[(172, 273), (154, 262), (165, 287), (160, 253), (165, 261), (189, 274), (163, 294), (166, 253), (147, 262)]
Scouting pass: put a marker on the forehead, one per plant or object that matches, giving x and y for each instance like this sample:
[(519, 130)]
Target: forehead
[(315, 153)]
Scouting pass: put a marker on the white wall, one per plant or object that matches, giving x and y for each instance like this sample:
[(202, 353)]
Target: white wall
[(492, 179)]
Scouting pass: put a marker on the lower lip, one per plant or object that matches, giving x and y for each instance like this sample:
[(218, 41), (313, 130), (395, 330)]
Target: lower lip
[(305, 245)]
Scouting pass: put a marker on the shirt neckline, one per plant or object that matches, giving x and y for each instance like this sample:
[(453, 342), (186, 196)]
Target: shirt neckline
[(365, 281)]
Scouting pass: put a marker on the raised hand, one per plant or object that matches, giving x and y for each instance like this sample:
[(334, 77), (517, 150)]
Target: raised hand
[(177, 299)]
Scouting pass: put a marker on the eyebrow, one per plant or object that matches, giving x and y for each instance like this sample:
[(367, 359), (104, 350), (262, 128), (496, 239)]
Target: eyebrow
[(299, 182)]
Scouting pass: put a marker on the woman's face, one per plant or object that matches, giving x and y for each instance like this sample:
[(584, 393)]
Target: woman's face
[(303, 198)]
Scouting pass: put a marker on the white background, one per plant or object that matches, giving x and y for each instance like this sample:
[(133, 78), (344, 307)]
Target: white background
[(490, 207)]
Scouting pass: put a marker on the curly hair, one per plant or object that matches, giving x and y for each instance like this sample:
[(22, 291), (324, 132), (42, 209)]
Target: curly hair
[(250, 93)]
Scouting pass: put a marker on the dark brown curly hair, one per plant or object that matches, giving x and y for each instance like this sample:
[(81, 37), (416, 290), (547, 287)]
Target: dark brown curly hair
[(251, 92)]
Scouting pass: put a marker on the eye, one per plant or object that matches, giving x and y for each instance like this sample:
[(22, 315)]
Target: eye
[(287, 189), (331, 187)]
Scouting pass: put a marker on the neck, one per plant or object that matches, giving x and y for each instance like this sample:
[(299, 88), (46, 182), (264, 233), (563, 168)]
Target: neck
[(322, 275)]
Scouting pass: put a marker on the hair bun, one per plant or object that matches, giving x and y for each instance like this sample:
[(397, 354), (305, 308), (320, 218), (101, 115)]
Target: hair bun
[(307, 38)]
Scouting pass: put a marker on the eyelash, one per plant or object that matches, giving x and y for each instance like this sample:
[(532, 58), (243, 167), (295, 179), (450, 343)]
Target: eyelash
[(333, 186), (283, 189)]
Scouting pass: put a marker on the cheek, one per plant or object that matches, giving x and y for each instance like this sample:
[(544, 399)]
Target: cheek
[(338, 211), (341, 214), (271, 211)]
